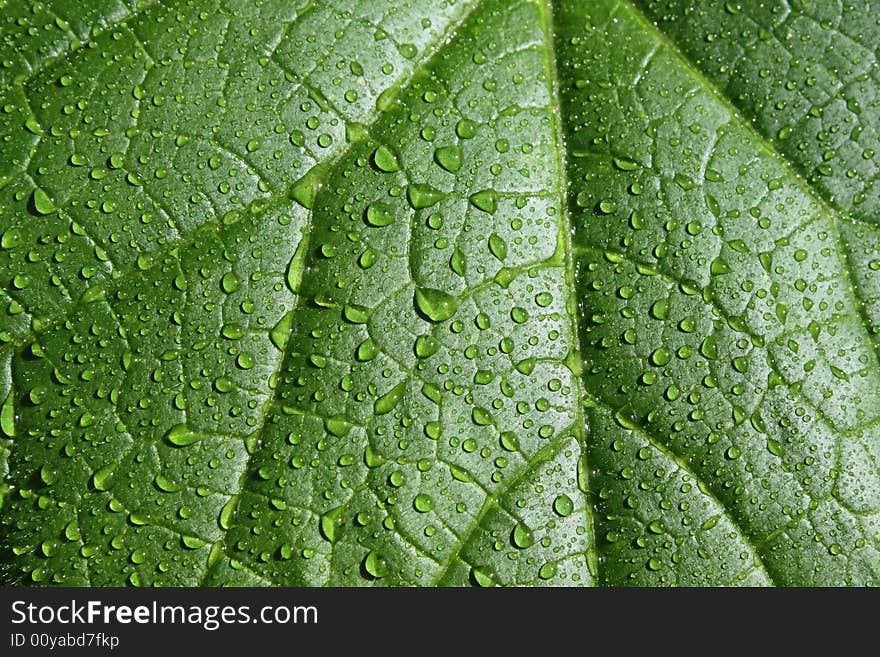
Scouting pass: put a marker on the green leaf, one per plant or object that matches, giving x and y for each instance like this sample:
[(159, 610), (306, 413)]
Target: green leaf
[(469, 293)]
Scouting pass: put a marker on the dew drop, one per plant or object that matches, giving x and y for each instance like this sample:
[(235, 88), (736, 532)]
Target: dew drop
[(449, 157), (523, 537), (423, 503), (483, 576), (434, 304), (42, 203), (563, 505), (387, 402), (379, 214), (331, 523), (486, 200), (385, 160), (181, 435), (422, 195), (498, 246), (101, 478), (375, 565)]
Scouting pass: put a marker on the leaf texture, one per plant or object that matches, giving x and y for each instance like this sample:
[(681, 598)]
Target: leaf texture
[(439, 293)]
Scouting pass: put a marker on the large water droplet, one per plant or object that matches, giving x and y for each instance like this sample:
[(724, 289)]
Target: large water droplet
[(385, 160), (422, 195), (486, 200), (449, 157), (42, 203), (379, 214), (181, 435), (436, 305), (390, 399)]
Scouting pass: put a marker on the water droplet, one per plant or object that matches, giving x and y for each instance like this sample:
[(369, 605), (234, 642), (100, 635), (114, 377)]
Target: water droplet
[(563, 505), (775, 448), (423, 503), (331, 523), (101, 478), (223, 384), (519, 315), (457, 262), (526, 366), (227, 512), (486, 200), (245, 360), (281, 331), (661, 356), (229, 282), (192, 542), (38, 395), (436, 305), (449, 157), (7, 417), (337, 425), (165, 484), (660, 309), (42, 203), (355, 314), (379, 214), (422, 195), (376, 565), (390, 399), (466, 129), (368, 258), (367, 350), (483, 576), (181, 435), (709, 348), (607, 206), (498, 246), (543, 299), (523, 537), (547, 571), (688, 325), (385, 160), (305, 190), (426, 346), (481, 416)]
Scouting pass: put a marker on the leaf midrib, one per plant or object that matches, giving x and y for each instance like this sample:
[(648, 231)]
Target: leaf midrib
[(567, 231)]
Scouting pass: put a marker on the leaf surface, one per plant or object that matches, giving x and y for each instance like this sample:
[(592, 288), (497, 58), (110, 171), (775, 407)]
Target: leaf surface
[(432, 293)]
